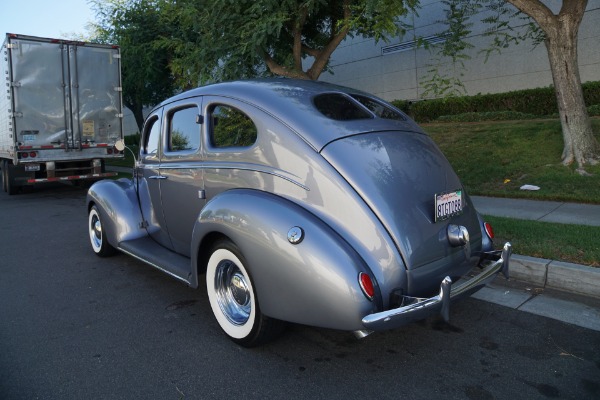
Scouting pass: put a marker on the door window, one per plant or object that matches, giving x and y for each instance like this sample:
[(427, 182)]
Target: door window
[(231, 128), (184, 130), (151, 137)]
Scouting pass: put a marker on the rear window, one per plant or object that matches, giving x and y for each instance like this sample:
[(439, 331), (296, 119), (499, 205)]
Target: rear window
[(339, 107), (379, 109)]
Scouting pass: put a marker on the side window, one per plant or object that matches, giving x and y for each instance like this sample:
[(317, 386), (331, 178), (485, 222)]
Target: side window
[(151, 136), (184, 131), (379, 109), (231, 128)]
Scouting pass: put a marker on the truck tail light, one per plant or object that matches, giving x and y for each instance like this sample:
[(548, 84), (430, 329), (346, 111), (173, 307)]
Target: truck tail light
[(24, 155), (366, 284), (488, 229), (33, 154)]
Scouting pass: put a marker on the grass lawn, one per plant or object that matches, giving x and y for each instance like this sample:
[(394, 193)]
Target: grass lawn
[(497, 158), (571, 243)]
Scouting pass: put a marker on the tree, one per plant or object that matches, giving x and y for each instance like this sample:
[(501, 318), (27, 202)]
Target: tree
[(136, 26), (560, 37), (558, 31), (290, 38)]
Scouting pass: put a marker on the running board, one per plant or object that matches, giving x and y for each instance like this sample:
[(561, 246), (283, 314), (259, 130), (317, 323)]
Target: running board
[(147, 250)]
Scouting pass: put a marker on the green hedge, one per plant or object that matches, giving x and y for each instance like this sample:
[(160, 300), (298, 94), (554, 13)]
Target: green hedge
[(132, 140), (538, 102)]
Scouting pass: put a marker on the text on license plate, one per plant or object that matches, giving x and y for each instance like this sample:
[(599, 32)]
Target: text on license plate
[(32, 167), (448, 204)]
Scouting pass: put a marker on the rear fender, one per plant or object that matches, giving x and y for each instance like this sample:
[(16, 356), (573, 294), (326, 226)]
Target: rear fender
[(313, 282), (118, 207)]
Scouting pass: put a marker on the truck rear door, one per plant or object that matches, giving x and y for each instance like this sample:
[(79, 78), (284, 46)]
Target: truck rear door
[(95, 95), (39, 93), (67, 97)]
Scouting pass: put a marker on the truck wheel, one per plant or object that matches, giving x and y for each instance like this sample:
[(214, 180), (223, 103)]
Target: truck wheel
[(233, 298), (9, 187), (97, 238), (3, 167)]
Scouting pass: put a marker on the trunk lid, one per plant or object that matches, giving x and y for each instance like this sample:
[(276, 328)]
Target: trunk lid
[(398, 174)]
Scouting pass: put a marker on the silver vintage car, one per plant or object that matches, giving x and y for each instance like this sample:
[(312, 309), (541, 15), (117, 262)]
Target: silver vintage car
[(297, 201)]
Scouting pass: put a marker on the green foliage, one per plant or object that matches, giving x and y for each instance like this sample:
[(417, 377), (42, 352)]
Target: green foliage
[(486, 116), (217, 40), (135, 26), (232, 128), (594, 111), (536, 102), (132, 140)]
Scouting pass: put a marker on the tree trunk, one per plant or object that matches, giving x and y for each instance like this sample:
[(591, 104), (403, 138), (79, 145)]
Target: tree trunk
[(561, 32), (580, 145)]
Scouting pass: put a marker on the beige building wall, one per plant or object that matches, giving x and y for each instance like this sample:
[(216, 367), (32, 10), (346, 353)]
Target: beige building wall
[(361, 64)]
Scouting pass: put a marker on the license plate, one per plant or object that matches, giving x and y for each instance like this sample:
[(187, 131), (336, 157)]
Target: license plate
[(32, 167), (448, 204)]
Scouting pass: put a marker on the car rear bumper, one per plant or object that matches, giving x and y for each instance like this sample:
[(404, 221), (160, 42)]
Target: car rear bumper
[(418, 308)]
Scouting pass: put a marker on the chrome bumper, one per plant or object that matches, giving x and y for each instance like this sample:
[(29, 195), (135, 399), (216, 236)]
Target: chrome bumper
[(419, 308)]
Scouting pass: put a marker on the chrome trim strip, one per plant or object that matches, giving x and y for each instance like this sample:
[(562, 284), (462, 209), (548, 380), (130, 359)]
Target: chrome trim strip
[(282, 175), (423, 308)]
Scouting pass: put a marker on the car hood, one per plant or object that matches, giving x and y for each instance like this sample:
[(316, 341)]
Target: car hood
[(398, 174)]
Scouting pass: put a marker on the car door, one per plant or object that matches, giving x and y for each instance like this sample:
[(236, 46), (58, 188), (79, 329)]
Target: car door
[(149, 177), (181, 175), (232, 157)]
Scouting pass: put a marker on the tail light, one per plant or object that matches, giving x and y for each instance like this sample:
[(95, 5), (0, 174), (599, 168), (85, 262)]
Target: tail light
[(33, 154), (366, 284), (488, 229)]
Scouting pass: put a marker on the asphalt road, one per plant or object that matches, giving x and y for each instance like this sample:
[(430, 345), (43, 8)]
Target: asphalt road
[(75, 326)]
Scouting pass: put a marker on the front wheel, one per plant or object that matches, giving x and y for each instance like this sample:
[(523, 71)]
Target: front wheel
[(233, 298), (97, 237)]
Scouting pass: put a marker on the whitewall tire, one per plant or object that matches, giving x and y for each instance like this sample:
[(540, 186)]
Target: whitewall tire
[(233, 298), (97, 236)]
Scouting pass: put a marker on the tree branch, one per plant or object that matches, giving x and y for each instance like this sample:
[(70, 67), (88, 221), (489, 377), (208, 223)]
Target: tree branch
[(536, 10), (297, 32), (323, 57), (280, 70)]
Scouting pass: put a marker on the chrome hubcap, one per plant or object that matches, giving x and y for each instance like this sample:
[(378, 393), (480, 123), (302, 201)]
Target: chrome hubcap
[(96, 231), (233, 293)]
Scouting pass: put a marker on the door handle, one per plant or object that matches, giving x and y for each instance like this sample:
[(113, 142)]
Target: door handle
[(157, 177)]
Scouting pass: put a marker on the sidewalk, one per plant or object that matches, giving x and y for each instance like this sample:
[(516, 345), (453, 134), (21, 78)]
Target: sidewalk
[(545, 211), (550, 288)]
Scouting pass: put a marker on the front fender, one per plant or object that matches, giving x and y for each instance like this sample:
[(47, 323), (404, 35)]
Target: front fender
[(314, 282), (118, 207)]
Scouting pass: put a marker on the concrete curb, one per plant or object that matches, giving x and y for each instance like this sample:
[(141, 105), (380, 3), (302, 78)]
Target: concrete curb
[(568, 277)]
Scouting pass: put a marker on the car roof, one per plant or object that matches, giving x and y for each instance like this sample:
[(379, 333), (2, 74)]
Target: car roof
[(292, 102)]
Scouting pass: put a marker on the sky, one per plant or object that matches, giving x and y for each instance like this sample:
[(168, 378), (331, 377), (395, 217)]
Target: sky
[(51, 19)]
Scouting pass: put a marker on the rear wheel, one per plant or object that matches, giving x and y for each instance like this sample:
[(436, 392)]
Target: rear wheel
[(7, 184), (97, 237), (233, 299), (3, 172)]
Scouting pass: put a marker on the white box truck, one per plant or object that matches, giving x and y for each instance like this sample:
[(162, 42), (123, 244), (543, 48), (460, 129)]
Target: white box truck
[(61, 110)]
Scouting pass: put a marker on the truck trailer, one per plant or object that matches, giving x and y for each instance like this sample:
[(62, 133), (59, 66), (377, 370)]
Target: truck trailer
[(61, 112)]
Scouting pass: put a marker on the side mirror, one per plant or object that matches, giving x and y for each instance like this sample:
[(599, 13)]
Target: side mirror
[(120, 145)]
